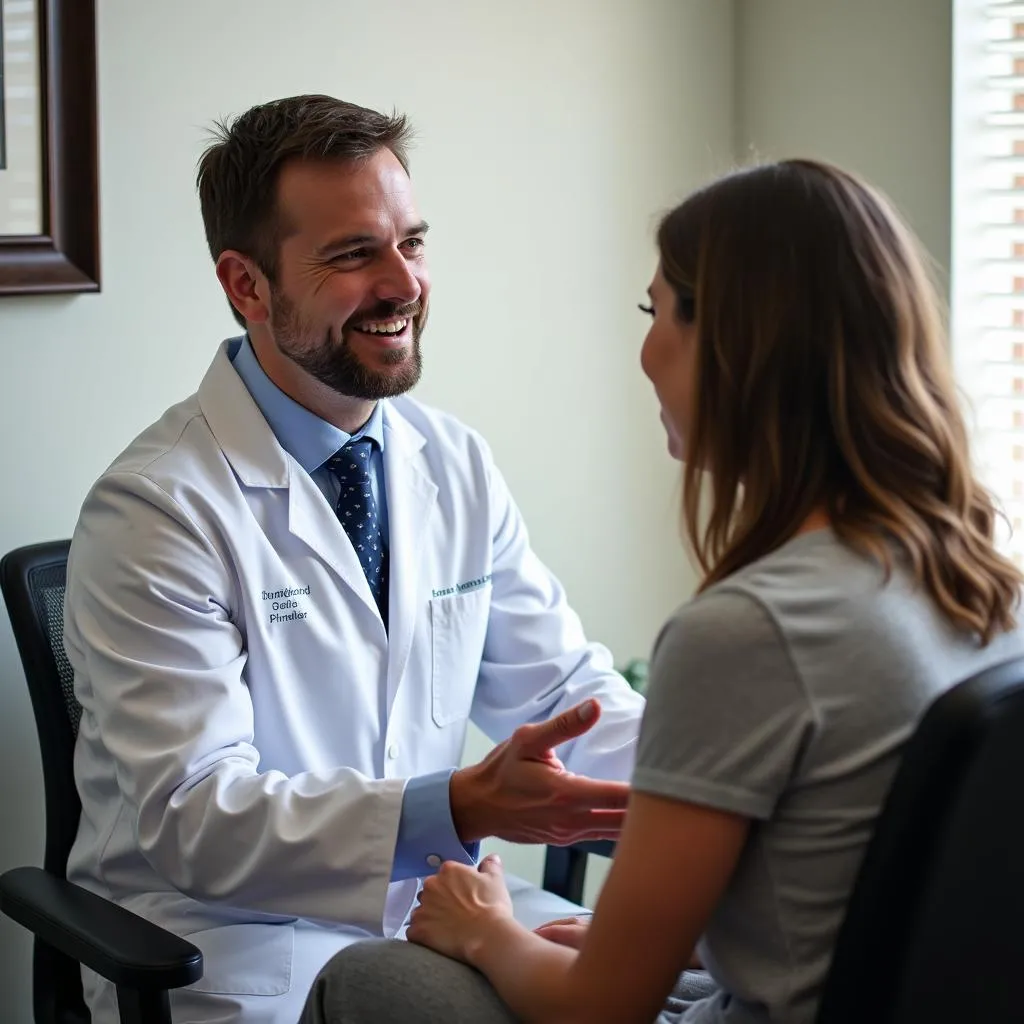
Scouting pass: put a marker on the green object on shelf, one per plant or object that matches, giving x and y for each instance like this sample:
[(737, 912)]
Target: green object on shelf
[(635, 673)]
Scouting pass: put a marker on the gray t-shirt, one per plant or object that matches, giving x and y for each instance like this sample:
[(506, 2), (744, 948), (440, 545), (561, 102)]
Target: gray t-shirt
[(785, 694)]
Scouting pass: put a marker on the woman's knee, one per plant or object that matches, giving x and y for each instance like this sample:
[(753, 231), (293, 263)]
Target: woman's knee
[(391, 979)]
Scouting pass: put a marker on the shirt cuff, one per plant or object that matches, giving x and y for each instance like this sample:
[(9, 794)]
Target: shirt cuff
[(426, 832)]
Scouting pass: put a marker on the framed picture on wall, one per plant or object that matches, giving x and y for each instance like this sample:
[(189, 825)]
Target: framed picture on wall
[(49, 176)]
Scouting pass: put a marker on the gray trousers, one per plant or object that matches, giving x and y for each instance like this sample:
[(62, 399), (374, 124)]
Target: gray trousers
[(380, 980)]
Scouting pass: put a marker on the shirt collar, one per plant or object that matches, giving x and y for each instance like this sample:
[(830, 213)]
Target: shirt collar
[(310, 440)]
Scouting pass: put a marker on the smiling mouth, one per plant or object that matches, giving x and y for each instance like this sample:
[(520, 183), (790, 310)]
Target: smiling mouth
[(383, 328)]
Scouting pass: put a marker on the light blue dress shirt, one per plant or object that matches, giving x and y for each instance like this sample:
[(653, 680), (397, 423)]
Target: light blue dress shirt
[(426, 833)]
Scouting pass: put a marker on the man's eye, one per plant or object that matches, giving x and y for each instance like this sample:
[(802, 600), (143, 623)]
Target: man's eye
[(415, 243), (355, 254), (649, 310)]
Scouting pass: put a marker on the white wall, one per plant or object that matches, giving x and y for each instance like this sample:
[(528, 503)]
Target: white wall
[(863, 83), (550, 132)]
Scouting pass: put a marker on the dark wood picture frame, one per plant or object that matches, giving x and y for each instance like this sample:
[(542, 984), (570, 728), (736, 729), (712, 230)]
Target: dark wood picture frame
[(66, 256), (3, 124)]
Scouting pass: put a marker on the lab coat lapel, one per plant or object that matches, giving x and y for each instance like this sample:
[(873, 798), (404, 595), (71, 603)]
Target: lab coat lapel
[(239, 427), (259, 460), (411, 498), (312, 520)]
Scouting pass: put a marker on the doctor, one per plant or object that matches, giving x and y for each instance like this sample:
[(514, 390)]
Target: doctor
[(287, 597)]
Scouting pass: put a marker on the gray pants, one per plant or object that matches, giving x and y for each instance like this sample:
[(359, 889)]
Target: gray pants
[(380, 981)]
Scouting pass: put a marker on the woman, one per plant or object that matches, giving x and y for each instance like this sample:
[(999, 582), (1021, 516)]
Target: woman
[(849, 577)]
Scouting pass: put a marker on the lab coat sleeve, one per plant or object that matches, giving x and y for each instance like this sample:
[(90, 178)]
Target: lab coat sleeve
[(537, 661), (159, 664)]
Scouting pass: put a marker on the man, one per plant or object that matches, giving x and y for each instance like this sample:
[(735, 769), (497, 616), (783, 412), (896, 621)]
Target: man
[(288, 595)]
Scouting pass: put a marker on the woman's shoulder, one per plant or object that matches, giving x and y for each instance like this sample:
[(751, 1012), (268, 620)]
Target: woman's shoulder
[(809, 571), (812, 593), (724, 622), (815, 579), (817, 561)]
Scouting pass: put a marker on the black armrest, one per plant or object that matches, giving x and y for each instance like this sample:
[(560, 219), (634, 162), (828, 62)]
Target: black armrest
[(602, 847), (565, 867), (119, 945)]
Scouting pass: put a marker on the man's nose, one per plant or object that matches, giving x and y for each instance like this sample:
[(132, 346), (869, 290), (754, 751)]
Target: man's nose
[(397, 283)]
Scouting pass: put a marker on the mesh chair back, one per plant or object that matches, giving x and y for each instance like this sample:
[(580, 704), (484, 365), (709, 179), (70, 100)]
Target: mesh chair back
[(47, 585), (32, 580)]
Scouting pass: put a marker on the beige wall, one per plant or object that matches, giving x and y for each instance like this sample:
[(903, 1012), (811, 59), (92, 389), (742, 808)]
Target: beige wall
[(863, 83)]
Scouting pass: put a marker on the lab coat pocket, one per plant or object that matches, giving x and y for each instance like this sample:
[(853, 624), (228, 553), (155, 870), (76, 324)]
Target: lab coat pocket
[(458, 625), (246, 959)]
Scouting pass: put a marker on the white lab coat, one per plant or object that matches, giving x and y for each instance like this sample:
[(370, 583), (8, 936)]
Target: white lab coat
[(247, 723)]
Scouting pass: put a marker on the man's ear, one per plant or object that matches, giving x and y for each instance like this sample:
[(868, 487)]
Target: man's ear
[(245, 285)]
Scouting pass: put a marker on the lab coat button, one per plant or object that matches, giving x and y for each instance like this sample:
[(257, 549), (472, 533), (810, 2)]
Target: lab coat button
[(393, 751), (434, 861)]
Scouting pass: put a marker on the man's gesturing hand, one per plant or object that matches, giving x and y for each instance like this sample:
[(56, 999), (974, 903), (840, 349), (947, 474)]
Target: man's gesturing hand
[(521, 791)]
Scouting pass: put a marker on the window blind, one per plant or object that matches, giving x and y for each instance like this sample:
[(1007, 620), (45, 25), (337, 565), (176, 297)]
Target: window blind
[(988, 246)]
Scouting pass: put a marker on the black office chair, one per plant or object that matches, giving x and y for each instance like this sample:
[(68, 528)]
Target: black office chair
[(565, 867), (934, 931), (71, 925)]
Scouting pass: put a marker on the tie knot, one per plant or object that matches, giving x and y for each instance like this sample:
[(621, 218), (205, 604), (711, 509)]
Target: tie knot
[(353, 458)]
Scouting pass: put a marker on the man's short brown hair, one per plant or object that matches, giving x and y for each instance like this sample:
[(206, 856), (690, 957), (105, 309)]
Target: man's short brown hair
[(239, 172)]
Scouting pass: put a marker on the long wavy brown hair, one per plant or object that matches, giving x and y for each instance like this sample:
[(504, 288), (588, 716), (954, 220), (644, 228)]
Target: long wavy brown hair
[(823, 382)]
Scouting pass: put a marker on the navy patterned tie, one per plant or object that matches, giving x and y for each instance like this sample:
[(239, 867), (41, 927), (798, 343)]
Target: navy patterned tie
[(357, 512)]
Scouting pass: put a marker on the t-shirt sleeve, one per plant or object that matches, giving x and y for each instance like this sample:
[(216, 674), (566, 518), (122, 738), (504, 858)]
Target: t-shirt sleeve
[(727, 717)]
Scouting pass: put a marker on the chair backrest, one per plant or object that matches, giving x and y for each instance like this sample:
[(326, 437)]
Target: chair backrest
[(32, 580), (935, 927)]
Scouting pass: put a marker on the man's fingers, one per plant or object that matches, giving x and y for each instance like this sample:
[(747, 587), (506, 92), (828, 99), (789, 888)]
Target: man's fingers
[(593, 794), (584, 836), (612, 834), (578, 828), (535, 740), (565, 831)]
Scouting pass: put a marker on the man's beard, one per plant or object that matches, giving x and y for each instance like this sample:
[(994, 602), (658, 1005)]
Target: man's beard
[(333, 362)]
